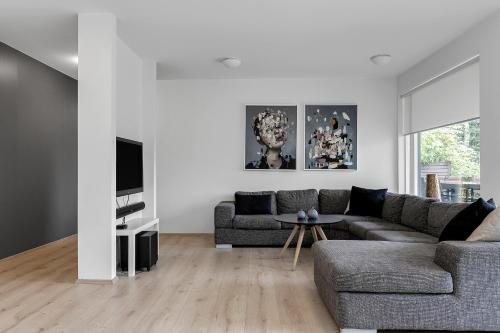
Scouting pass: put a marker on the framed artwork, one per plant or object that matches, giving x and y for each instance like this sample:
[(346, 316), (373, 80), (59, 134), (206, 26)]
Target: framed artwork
[(270, 137), (330, 137)]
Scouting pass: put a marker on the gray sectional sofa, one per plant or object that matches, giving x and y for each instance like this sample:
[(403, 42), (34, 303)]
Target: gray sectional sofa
[(373, 286), (387, 273), (405, 218)]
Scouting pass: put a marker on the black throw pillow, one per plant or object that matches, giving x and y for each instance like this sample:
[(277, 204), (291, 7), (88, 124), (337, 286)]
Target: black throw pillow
[(252, 204), (467, 220), (366, 202)]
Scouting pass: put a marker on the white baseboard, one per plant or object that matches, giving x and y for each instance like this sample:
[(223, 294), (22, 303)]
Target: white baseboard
[(354, 330), (92, 281)]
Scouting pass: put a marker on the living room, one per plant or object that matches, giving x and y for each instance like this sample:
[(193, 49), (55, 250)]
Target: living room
[(268, 166)]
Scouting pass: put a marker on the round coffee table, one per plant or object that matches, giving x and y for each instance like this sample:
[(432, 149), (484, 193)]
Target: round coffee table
[(300, 225)]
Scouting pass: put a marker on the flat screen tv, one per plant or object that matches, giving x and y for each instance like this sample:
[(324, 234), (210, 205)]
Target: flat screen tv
[(129, 178)]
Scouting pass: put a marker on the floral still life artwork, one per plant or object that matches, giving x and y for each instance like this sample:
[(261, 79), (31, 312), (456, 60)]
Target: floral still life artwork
[(330, 137)]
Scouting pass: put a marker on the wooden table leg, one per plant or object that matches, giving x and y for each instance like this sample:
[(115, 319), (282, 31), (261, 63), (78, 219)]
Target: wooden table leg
[(315, 235), (321, 232), (290, 238), (299, 245)]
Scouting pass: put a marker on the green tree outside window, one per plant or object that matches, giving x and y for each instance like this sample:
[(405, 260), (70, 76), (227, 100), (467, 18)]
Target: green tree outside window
[(458, 145)]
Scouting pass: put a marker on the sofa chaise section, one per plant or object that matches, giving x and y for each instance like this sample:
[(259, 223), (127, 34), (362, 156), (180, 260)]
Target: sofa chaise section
[(401, 286), (381, 267)]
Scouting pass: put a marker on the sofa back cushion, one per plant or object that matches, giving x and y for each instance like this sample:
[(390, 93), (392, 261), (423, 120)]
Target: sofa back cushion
[(440, 214), (415, 212), (393, 207), (333, 201), (290, 202), (274, 209)]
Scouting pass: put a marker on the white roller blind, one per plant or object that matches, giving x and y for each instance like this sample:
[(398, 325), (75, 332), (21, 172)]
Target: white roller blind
[(447, 100)]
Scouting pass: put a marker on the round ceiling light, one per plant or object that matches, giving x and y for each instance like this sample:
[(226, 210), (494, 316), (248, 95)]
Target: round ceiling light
[(231, 62), (381, 59)]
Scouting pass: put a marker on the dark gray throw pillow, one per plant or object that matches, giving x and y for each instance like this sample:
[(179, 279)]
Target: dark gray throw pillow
[(467, 220), (253, 204), (366, 202)]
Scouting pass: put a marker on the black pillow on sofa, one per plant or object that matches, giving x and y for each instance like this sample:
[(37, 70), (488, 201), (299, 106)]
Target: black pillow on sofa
[(252, 204), (366, 202), (467, 220)]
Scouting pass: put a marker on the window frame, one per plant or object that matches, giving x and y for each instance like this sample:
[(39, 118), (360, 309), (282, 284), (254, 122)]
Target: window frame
[(412, 158)]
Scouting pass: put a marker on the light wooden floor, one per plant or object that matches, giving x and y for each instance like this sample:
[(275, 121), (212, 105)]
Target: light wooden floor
[(195, 288)]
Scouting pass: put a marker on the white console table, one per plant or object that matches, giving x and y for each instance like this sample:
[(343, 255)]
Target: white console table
[(134, 227)]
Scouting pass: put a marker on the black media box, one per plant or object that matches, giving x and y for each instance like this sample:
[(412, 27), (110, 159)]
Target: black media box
[(146, 251)]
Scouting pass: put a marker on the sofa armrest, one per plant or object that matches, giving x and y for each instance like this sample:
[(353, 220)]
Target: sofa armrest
[(474, 266), (224, 214)]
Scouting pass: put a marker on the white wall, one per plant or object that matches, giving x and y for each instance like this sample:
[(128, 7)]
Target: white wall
[(482, 40), (129, 113), (201, 139), (136, 118), (128, 92), (149, 129)]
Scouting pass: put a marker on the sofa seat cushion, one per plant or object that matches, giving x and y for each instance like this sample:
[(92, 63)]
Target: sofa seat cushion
[(348, 219), (401, 236), (263, 222), (344, 225), (360, 228), (381, 267), (354, 218), (287, 225)]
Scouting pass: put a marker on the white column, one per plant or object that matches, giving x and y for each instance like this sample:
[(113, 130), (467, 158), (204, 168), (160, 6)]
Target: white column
[(96, 146), (149, 121)]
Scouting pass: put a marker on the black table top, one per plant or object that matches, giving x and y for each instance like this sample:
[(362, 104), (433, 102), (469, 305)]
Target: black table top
[(292, 218)]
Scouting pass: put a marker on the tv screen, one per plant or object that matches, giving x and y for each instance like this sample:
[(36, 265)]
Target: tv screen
[(128, 167)]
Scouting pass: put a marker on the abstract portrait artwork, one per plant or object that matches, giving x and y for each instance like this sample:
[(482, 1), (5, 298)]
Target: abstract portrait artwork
[(270, 137), (330, 137)]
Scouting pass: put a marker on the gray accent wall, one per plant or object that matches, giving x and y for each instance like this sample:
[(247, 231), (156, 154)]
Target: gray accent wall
[(38, 153)]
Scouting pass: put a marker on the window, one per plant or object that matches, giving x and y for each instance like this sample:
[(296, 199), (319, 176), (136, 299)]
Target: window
[(451, 152), (439, 134)]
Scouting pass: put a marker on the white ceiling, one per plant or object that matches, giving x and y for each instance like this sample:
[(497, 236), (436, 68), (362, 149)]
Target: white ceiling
[(274, 38)]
